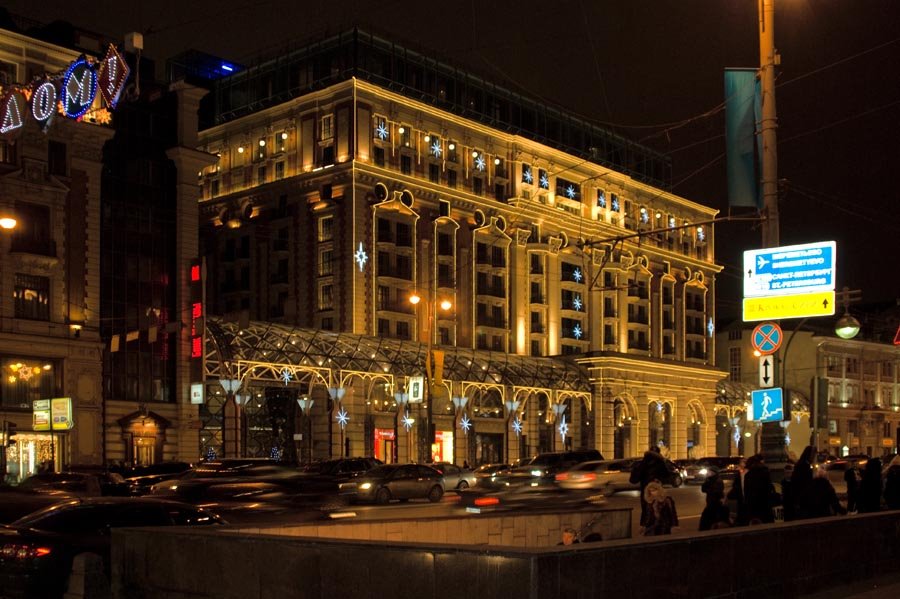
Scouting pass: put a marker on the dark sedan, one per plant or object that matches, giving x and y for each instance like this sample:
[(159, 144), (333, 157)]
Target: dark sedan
[(37, 551), (400, 481)]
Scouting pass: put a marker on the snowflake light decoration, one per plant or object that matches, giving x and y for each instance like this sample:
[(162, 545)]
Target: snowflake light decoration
[(381, 131), (465, 423), (701, 234), (210, 453), (517, 426), (275, 453), (576, 274), (286, 375), (615, 204), (737, 435), (563, 428), (479, 162), (787, 438), (710, 327), (576, 303), (527, 176), (671, 222), (601, 199), (577, 332), (436, 149), (342, 417), (361, 257), (545, 181), (570, 192), (407, 421), (645, 216)]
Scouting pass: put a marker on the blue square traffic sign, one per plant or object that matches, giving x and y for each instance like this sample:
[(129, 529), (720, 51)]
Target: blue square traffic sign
[(767, 405)]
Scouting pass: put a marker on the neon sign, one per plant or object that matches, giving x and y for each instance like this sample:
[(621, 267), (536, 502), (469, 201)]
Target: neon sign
[(74, 90)]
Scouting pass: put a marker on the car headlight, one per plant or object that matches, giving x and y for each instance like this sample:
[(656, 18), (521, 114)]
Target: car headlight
[(536, 473), (702, 471), (365, 486)]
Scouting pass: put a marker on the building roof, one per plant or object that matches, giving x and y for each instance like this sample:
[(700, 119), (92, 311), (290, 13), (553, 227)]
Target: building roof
[(281, 346)]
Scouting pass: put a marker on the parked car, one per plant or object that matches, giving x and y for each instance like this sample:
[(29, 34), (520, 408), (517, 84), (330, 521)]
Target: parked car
[(140, 479), (37, 551), (400, 481), (610, 476), (455, 478), (79, 484)]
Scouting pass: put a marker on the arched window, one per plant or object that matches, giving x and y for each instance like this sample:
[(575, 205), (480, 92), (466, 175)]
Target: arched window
[(659, 420)]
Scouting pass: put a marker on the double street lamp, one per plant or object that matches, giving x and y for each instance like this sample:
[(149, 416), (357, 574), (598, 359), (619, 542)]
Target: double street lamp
[(446, 306), (402, 400), (306, 405), (239, 432)]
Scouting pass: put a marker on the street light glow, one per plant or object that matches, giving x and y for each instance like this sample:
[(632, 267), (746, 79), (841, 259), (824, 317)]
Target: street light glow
[(446, 305), (414, 299), (7, 222)]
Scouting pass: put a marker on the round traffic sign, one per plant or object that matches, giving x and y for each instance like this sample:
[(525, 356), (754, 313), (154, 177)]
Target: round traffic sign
[(766, 338)]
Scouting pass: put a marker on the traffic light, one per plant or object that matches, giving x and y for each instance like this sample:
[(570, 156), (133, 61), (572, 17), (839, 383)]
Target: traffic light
[(10, 433)]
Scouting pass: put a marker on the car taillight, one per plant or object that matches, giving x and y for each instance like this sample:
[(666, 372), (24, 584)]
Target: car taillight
[(562, 476), (482, 501), (589, 476), (24, 551)]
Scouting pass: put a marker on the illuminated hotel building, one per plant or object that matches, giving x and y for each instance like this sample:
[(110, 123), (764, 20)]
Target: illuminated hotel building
[(353, 173)]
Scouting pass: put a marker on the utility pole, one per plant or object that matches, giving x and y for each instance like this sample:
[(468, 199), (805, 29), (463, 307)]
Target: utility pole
[(768, 59)]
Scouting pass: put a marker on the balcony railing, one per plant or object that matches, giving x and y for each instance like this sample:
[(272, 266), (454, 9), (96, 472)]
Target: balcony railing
[(396, 306), (489, 321), (492, 290)]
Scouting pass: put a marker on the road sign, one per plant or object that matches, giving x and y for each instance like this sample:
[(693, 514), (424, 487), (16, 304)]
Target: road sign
[(789, 306), (767, 405), (766, 338), (789, 270), (766, 371)]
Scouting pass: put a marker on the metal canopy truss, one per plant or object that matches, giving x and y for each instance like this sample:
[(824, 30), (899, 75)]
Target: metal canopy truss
[(264, 351)]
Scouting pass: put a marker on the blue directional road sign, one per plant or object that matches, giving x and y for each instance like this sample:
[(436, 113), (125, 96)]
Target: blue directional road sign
[(792, 269), (767, 405)]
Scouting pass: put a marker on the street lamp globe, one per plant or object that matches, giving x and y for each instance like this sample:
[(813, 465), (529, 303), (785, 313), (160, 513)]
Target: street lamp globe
[(846, 327), (414, 299), (7, 222), (446, 305)]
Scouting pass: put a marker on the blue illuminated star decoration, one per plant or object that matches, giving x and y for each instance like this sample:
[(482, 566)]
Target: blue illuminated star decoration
[(615, 204), (545, 181), (576, 274), (737, 435), (479, 162), (381, 131), (563, 428), (342, 417), (436, 149), (601, 198), (577, 332), (570, 192), (465, 423), (710, 327), (576, 303), (361, 257), (787, 438), (527, 177), (286, 375), (517, 426), (407, 421)]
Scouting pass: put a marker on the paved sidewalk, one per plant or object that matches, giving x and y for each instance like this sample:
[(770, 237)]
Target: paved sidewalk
[(887, 587)]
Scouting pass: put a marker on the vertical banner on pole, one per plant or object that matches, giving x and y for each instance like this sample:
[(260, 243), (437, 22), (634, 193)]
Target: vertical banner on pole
[(741, 98)]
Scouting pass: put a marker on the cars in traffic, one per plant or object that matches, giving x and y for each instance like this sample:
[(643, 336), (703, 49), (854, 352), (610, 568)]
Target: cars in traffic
[(526, 497), (703, 468), (140, 479), (455, 477), (37, 551), (80, 484), (400, 481), (236, 467), (610, 476), (543, 468)]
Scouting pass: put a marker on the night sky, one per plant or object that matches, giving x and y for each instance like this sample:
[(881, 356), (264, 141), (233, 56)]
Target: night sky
[(652, 70)]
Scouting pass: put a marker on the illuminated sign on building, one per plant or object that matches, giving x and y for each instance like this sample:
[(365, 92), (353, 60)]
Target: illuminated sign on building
[(74, 90)]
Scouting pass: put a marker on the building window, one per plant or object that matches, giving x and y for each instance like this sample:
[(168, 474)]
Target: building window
[(261, 175), (327, 155), (328, 323), (406, 165), (32, 297), (279, 170), (379, 156), (382, 129), (527, 175), (32, 233), (403, 330), (500, 192), (477, 186), (452, 154), (56, 158), (326, 297), (404, 131), (434, 173), (214, 188), (384, 327), (734, 363), (326, 127), (543, 179), (326, 228), (24, 380), (7, 152), (568, 189), (451, 178), (326, 261)]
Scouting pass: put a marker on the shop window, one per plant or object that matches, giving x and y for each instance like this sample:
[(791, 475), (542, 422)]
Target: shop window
[(27, 379)]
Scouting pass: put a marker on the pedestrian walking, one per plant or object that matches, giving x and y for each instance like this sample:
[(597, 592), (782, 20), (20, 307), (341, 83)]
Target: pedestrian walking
[(801, 483), (870, 488), (651, 467), (735, 498), (892, 485), (661, 514), (823, 499), (851, 477), (715, 514)]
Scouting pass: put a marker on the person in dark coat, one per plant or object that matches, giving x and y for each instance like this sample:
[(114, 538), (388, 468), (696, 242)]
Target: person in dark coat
[(823, 499), (715, 514), (736, 498), (801, 483), (651, 467), (892, 485), (869, 499), (758, 491), (851, 477), (661, 514)]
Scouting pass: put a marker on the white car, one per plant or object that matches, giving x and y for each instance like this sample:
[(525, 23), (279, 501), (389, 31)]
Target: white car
[(608, 476)]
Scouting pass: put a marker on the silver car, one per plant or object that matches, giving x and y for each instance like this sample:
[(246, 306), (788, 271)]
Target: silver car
[(608, 476), (455, 478)]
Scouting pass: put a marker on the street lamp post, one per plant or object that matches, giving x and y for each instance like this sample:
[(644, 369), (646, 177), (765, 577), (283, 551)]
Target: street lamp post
[(511, 406), (306, 405), (231, 387), (459, 405), (445, 305), (559, 409), (337, 394)]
